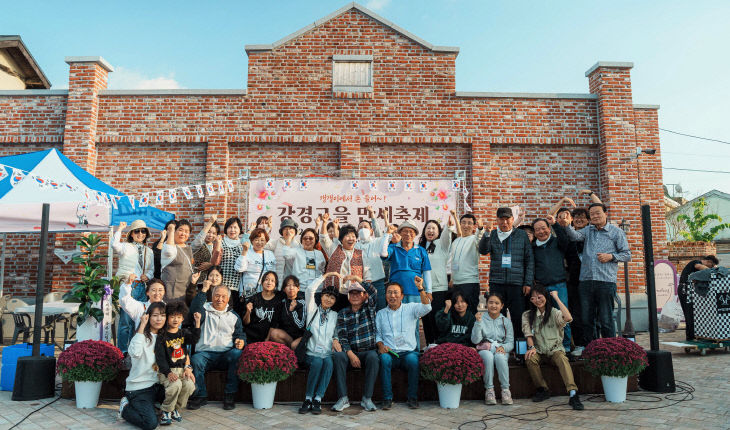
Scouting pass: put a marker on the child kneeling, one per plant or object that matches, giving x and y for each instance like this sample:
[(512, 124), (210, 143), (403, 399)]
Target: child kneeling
[(173, 361)]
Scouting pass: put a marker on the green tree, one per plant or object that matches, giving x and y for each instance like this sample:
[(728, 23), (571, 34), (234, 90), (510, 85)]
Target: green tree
[(695, 230), (92, 286)]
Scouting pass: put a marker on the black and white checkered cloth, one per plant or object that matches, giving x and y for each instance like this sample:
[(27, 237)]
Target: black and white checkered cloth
[(712, 310)]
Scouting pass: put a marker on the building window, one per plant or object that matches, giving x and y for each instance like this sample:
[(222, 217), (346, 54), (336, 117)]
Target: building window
[(352, 73)]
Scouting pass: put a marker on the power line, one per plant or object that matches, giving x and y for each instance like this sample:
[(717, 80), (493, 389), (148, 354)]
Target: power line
[(693, 136), (696, 170)]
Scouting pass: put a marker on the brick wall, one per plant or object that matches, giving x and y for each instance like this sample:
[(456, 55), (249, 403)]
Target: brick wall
[(528, 150)]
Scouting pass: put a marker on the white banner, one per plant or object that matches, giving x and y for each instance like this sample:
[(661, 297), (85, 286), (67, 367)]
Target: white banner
[(347, 199)]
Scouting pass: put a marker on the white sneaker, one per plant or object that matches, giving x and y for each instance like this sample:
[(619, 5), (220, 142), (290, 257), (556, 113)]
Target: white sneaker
[(341, 404), (368, 405), (122, 404), (506, 397), (577, 351), (489, 397)]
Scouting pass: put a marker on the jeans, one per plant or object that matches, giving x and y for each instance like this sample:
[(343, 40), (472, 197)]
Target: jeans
[(573, 304), (379, 286), (409, 298), (140, 411), (409, 362), (596, 301), (471, 292), (126, 328), (562, 290), (319, 375), (514, 301), (429, 321), (368, 360), (491, 360), (203, 361)]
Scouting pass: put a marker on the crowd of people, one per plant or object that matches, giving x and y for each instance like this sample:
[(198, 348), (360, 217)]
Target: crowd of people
[(360, 293)]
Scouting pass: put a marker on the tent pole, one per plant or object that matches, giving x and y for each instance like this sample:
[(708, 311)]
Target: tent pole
[(2, 266), (110, 256), (40, 287)]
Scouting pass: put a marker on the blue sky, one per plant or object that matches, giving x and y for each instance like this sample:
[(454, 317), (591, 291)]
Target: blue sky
[(679, 48)]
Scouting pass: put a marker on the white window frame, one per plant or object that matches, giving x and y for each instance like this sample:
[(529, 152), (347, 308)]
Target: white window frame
[(352, 59)]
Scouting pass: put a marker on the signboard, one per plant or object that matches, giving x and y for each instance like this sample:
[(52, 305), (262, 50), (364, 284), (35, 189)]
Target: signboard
[(303, 199), (665, 281)]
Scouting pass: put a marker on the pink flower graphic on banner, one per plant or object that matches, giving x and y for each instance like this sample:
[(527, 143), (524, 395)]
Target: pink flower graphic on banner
[(443, 195), (263, 195)]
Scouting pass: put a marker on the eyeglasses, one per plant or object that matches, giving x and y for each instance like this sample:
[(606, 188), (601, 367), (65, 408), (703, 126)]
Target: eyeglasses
[(308, 238), (139, 231), (354, 293)]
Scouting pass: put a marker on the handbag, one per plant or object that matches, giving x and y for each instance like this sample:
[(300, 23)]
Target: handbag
[(487, 345), (301, 351)]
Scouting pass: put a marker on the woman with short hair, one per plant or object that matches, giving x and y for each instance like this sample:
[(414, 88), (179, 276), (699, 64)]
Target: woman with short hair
[(177, 260), (231, 249), (253, 262)]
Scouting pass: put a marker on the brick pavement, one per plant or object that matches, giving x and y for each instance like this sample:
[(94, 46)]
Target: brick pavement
[(708, 410)]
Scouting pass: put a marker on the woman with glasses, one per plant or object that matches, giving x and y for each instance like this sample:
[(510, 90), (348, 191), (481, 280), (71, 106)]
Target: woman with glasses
[(307, 262)]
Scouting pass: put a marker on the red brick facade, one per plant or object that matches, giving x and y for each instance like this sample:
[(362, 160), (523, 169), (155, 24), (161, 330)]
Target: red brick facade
[(527, 149)]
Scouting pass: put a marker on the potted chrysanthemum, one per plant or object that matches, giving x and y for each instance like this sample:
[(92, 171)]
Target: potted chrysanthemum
[(614, 359), (450, 365), (87, 364), (263, 365)]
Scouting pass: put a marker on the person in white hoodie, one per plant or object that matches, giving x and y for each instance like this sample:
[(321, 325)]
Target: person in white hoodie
[(220, 345), (493, 336), (142, 390), (135, 257), (288, 228)]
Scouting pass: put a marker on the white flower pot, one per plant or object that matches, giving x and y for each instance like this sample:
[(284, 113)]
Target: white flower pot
[(449, 395), (89, 330), (614, 388), (87, 394), (263, 395)]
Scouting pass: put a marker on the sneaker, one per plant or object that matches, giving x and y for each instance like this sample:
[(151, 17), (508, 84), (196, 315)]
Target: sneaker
[(122, 403), (540, 395), (306, 407), (387, 404), (506, 397), (176, 416), (577, 351), (576, 403), (368, 405), (316, 407), (489, 397), (165, 419), (413, 403), (229, 401), (196, 402), (341, 404)]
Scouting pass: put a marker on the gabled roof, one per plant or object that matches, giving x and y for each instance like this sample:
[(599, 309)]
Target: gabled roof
[(31, 73), (338, 12), (711, 193)]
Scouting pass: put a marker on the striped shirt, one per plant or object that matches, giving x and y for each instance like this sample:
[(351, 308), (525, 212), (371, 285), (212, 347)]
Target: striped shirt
[(608, 240)]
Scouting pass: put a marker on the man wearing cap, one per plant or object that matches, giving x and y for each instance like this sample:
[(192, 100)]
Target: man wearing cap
[(288, 229), (512, 267), (464, 257), (354, 343)]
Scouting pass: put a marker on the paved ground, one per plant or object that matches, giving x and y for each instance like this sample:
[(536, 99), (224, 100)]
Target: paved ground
[(707, 408)]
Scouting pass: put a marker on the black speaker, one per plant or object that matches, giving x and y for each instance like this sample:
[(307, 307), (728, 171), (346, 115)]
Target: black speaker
[(659, 375), (35, 378)]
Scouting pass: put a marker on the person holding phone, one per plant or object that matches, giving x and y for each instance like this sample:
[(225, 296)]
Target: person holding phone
[(395, 338)]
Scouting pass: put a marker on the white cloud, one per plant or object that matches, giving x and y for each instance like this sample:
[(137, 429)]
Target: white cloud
[(377, 4), (129, 79)]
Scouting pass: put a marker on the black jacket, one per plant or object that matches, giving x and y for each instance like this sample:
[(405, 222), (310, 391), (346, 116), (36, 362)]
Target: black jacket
[(522, 270), (549, 268)]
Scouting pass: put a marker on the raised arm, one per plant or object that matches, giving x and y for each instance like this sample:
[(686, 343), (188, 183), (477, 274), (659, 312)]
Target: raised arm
[(199, 240), (373, 222), (117, 243), (594, 198), (563, 202), (458, 224)]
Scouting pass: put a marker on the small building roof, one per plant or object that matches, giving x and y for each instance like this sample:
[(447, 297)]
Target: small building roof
[(31, 73), (338, 12)]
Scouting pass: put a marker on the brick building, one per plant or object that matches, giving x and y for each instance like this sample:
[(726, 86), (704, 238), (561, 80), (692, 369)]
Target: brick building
[(356, 95)]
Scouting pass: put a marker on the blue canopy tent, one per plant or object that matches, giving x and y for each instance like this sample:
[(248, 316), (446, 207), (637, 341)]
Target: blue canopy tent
[(78, 200)]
